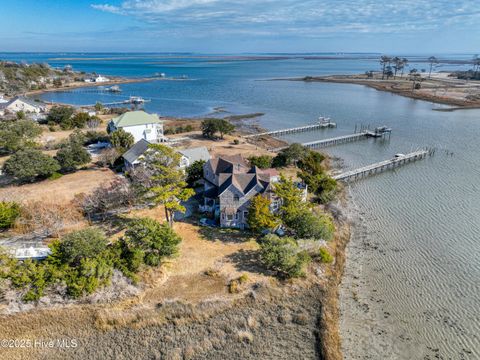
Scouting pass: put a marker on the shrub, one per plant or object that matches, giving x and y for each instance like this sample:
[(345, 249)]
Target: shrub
[(120, 139), (81, 245), (72, 155), (92, 137), (292, 154), (195, 172), (283, 256), (60, 115), (325, 256), (156, 240), (262, 161), (55, 176), (9, 212), (30, 164), (307, 224), (18, 135), (105, 198)]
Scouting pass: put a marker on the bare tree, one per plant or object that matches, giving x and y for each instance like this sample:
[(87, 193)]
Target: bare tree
[(432, 60)]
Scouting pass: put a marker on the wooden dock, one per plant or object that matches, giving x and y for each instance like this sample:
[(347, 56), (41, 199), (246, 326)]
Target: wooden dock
[(382, 165), (294, 130), (318, 144)]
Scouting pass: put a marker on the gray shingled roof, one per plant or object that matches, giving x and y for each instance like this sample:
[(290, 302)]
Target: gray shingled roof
[(136, 151), (196, 154)]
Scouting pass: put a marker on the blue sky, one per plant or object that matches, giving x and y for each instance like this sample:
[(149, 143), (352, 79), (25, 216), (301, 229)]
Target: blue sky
[(229, 26)]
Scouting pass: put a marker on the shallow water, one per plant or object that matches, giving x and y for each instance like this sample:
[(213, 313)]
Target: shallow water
[(412, 287)]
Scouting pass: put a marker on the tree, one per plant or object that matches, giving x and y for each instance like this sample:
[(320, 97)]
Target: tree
[(81, 245), (98, 106), (224, 127), (60, 115), (311, 225), (313, 174), (166, 185), (283, 256), (72, 154), (29, 164), (384, 61), (259, 216), (155, 240), (17, 135), (9, 212), (415, 77), (122, 140), (211, 126), (79, 120), (293, 153), (262, 161), (195, 172), (432, 61), (290, 198), (397, 65)]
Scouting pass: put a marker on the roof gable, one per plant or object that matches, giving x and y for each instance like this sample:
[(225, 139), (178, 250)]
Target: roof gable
[(137, 150), (196, 154), (134, 118)]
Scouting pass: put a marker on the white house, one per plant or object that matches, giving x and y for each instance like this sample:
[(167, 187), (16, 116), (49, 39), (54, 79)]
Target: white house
[(22, 104), (141, 125), (101, 78)]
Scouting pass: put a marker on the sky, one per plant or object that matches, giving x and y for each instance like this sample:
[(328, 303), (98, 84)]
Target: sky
[(241, 26)]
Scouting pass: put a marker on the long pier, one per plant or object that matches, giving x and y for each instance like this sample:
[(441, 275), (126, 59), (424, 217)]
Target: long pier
[(317, 144), (299, 129), (381, 166)]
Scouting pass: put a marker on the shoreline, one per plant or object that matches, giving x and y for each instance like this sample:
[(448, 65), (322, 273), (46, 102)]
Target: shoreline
[(77, 85), (402, 87)]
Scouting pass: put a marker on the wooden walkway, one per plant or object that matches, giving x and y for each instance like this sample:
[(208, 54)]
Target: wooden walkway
[(382, 166), (291, 130)]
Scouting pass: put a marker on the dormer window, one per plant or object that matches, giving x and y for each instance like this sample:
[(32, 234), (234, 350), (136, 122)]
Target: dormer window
[(236, 198)]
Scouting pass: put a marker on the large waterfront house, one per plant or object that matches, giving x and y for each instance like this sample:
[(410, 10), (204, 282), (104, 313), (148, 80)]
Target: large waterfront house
[(22, 104), (141, 125), (134, 156), (230, 184)]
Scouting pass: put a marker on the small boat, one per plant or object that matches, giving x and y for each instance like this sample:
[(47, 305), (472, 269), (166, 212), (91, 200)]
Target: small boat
[(114, 89), (326, 122), (136, 100)]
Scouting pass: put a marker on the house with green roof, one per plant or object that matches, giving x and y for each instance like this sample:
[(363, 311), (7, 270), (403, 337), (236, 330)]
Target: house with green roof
[(141, 125)]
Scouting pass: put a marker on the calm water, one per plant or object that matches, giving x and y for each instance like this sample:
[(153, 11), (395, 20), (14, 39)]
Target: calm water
[(417, 244)]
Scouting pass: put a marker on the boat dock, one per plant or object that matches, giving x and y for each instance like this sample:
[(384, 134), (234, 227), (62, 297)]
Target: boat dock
[(317, 144), (381, 166), (322, 124)]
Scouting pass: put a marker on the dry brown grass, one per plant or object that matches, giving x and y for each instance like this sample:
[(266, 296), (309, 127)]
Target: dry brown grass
[(59, 191)]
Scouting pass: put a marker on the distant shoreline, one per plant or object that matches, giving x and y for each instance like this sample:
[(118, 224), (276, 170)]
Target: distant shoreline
[(80, 84), (455, 92)]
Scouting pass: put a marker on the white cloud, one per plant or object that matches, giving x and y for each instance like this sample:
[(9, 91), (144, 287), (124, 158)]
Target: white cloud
[(304, 18)]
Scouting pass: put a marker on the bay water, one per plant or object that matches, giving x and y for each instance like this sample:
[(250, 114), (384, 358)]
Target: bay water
[(412, 283)]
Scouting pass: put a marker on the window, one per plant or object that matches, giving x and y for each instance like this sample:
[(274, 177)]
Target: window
[(236, 198), (236, 215), (229, 217), (245, 214)]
